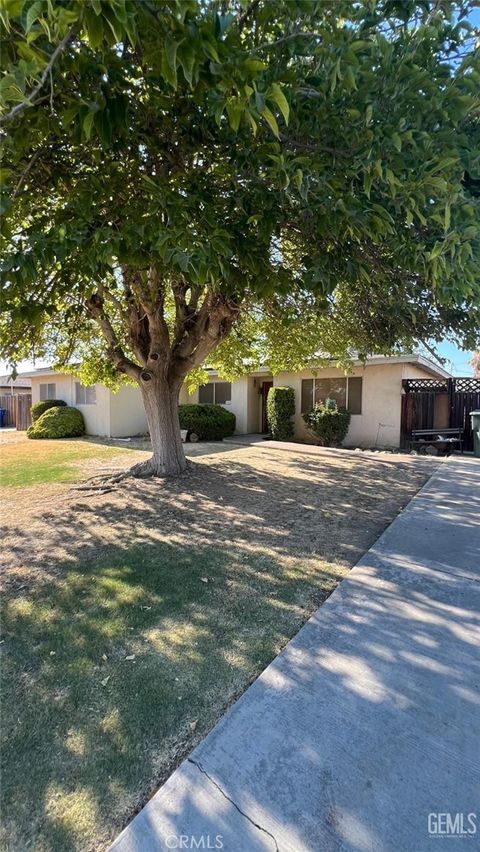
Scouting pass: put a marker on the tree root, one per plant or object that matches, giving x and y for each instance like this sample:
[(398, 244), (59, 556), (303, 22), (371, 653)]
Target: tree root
[(103, 483)]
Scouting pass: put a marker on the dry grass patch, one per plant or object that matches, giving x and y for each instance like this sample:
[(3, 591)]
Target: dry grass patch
[(132, 619)]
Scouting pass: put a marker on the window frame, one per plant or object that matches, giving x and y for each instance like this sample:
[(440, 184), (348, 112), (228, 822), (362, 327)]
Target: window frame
[(86, 390), (214, 393), (48, 396), (304, 393)]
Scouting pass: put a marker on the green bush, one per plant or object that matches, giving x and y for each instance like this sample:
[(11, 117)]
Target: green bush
[(328, 423), (209, 422), (280, 410), (39, 408), (59, 422)]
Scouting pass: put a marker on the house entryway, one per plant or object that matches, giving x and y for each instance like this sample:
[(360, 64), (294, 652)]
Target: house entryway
[(265, 387)]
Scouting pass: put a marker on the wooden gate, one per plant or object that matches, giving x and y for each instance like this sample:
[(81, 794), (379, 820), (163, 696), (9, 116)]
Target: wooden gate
[(17, 410), (419, 406), (22, 416)]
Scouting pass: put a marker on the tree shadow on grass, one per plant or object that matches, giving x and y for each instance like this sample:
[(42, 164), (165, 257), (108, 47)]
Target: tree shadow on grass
[(202, 579)]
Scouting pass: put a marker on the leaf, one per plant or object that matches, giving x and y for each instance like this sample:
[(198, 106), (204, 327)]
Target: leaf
[(204, 579), (253, 65), (94, 27), (105, 680), (33, 13), (397, 141), (368, 114), (193, 724), (88, 124), (447, 217), (234, 112), (271, 121), (130, 657), (277, 95)]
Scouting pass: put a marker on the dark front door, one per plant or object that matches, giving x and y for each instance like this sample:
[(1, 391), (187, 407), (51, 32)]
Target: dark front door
[(265, 388)]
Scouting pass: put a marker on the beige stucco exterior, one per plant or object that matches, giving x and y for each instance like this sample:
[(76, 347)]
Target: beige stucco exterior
[(122, 414), (377, 426), (113, 415)]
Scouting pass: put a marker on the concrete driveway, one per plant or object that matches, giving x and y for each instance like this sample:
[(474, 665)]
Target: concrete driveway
[(364, 733)]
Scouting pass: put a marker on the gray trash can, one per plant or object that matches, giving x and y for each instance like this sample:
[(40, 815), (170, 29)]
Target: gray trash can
[(475, 417)]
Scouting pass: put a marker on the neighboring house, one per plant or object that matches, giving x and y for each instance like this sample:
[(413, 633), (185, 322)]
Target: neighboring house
[(372, 393), (10, 386)]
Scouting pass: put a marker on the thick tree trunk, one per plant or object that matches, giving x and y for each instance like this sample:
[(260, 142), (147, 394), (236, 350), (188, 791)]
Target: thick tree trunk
[(161, 407)]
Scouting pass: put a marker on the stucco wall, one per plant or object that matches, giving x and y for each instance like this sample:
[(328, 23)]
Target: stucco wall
[(379, 422), (96, 415), (127, 414)]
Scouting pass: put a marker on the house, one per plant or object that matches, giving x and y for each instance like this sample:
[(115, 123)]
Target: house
[(372, 393), (12, 387)]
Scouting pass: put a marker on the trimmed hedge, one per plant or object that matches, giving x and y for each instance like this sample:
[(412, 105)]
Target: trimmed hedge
[(58, 422), (209, 422), (39, 408), (280, 410), (328, 423)]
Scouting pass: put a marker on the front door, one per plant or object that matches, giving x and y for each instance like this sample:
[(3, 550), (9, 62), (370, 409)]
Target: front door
[(265, 388)]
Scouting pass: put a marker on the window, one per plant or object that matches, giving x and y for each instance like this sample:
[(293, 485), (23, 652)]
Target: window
[(205, 393), (331, 389), (85, 395), (355, 394), (217, 392), (223, 392), (48, 391), (346, 392)]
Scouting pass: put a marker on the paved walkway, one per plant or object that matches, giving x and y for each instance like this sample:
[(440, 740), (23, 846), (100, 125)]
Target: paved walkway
[(367, 722)]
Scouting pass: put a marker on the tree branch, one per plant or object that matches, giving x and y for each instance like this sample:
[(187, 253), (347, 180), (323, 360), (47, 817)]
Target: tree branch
[(16, 110), (95, 305)]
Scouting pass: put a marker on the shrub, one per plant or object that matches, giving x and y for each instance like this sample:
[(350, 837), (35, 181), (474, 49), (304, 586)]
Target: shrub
[(209, 422), (328, 423), (280, 410), (39, 408), (59, 422)]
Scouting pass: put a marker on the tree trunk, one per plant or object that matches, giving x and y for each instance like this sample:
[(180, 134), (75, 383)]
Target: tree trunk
[(161, 407)]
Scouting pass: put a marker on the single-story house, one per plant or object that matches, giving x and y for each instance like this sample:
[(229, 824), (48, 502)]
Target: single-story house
[(371, 392)]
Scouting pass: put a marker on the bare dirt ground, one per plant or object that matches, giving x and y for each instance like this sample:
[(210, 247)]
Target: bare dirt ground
[(333, 506)]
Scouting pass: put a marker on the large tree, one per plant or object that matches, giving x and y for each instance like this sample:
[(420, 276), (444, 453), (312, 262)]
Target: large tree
[(176, 169)]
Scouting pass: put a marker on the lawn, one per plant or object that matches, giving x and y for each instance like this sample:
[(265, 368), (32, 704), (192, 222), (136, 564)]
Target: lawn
[(31, 462), (132, 619)]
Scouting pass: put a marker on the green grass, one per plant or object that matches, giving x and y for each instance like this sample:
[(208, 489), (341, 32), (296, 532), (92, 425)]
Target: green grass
[(36, 462), (84, 729)]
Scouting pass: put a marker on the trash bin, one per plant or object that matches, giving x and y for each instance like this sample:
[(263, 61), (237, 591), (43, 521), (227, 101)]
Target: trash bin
[(475, 417), (3, 412)]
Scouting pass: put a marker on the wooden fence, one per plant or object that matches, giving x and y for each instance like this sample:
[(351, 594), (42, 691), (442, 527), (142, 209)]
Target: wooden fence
[(17, 410)]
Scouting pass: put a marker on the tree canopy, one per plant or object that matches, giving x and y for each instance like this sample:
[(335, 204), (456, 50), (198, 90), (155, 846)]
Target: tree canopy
[(303, 173)]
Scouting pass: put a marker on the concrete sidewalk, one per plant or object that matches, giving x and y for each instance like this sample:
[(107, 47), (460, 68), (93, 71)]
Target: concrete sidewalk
[(367, 722)]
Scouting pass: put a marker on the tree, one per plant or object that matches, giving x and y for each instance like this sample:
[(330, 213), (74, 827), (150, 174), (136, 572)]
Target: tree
[(174, 170)]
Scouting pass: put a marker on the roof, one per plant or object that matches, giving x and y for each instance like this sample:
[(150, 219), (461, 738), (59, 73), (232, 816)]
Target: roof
[(22, 381), (374, 360)]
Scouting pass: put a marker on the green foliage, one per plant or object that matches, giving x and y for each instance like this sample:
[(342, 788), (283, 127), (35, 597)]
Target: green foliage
[(280, 410), (328, 423), (209, 422), (316, 163), (38, 408), (59, 422)]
